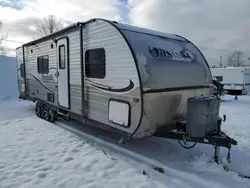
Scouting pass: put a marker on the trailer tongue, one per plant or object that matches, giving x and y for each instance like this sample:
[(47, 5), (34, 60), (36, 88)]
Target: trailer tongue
[(203, 125)]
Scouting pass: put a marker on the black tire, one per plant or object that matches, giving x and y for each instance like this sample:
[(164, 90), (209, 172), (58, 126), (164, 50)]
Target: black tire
[(38, 110), (46, 114)]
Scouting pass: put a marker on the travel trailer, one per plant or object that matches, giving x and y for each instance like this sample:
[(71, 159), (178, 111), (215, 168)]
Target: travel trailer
[(135, 82), (236, 80)]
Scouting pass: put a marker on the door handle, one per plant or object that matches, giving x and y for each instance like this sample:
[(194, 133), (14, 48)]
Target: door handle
[(57, 74)]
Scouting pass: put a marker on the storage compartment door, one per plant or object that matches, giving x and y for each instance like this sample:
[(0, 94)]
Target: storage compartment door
[(119, 113)]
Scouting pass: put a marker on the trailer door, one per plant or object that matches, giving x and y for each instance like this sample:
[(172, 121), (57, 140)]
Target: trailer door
[(63, 72)]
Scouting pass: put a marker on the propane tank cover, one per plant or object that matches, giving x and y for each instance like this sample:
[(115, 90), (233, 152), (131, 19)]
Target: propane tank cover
[(202, 115)]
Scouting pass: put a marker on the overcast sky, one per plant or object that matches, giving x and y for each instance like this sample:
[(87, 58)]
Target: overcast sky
[(217, 27)]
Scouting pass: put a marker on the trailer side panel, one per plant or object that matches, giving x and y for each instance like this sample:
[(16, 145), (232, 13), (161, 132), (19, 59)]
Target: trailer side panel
[(115, 89)]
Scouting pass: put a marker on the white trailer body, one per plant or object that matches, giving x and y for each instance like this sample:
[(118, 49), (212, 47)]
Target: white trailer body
[(236, 80), (133, 81), (126, 78)]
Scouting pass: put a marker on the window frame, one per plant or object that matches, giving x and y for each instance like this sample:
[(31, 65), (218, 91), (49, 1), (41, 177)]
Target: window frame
[(88, 64), (60, 64), (39, 65), (41, 68)]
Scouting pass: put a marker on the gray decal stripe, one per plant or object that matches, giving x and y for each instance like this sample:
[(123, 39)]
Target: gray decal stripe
[(40, 82), (125, 89)]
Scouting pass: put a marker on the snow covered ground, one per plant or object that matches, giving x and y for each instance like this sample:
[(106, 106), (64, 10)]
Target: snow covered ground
[(35, 153)]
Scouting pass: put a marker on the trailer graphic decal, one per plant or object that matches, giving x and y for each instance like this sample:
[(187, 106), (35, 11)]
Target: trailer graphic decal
[(119, 90), (183, 55), (39, 81), (47, 78)]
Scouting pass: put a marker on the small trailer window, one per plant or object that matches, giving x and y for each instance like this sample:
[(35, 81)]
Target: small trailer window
[(43, 64), (62, 57), (95, 65), (22, 70)]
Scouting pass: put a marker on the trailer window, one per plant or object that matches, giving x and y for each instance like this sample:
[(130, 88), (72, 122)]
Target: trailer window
[(43, 64), (62, 57), (95, 65), (22, 70)]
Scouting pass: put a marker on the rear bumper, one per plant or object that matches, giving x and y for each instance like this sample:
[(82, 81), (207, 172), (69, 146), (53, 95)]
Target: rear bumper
[(23, 96)]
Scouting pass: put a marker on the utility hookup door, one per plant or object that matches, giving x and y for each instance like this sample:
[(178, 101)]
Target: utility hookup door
[(63, 72)]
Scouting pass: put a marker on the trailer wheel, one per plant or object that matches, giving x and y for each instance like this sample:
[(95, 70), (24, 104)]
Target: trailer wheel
[(46, 114), (38, 110)]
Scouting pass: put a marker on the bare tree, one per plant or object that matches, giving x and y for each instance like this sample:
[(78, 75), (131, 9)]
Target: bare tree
[(48, 25), (230, 60), (2, 37), (236, 59)]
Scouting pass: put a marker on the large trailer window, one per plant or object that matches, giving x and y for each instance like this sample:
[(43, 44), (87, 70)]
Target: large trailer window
[(43, 64), (95, 64), (62, 57)]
